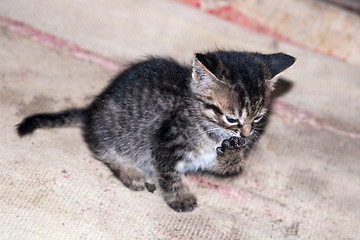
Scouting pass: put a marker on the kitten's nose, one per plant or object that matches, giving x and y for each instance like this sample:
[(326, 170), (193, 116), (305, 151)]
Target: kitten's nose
[(245, 130)]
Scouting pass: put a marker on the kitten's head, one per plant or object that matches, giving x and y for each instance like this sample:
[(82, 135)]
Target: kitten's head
[(234, 87)]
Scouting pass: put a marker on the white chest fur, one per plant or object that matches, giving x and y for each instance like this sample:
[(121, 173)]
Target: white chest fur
[(201, 158)]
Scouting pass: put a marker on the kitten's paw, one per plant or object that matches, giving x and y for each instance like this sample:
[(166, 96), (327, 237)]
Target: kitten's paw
[(230, 157), (232, 143), (133, 178), (135, 184), (183, 203)]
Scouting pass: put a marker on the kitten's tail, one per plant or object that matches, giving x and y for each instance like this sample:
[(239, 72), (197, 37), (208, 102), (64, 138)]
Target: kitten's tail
[(72, 117)]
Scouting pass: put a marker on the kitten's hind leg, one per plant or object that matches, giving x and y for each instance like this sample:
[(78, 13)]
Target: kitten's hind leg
[(130, 176)]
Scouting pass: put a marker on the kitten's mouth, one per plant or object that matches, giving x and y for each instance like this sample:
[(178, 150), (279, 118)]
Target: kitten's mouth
[(239, 135)]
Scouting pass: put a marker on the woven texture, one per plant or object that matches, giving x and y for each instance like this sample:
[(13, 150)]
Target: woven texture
[(301, 181)]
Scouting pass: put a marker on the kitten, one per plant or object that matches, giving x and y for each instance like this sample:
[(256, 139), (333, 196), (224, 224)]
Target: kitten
[(160, 119)]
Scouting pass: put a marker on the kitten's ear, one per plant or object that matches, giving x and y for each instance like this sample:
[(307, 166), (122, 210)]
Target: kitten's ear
[(201, 74), (278, 62)]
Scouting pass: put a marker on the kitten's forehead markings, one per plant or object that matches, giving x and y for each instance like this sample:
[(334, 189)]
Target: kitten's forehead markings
[(247, 104), (231, 109), (243, 116), (240, 87), (244, 113)]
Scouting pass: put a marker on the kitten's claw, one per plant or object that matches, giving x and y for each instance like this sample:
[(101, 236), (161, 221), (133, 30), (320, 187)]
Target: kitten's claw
[(220, 151), (230, 144), (237, 142), (226, 144)]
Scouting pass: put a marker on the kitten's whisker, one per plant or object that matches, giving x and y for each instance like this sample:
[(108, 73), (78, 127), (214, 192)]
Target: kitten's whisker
[(212, 130), (267, 116), (275, 111), (254, 136)]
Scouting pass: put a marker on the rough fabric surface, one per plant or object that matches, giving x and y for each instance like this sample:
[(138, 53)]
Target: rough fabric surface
[(316, 25), (302, 179)]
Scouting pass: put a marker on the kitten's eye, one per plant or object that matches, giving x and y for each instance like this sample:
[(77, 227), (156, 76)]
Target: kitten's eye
[(257, 119), (231, 121)]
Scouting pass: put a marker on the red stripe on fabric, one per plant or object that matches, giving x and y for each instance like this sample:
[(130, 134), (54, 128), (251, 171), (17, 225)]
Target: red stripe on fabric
[(66, 47)]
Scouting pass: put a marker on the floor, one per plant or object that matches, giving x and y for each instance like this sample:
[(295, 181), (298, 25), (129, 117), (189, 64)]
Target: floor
[(301, 180), (315, 25)]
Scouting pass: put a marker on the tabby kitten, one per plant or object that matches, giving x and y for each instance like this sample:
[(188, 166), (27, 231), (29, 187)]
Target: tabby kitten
[(160, 119)]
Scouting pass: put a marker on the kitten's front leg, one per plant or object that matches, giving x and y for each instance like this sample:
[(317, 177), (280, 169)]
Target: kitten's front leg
[(175, 192), (230, 157)]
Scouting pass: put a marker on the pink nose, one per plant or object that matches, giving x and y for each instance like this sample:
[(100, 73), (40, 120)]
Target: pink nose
[(246, 130)]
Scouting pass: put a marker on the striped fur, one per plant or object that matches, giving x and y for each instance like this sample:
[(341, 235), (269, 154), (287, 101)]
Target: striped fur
[(161, 119)]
